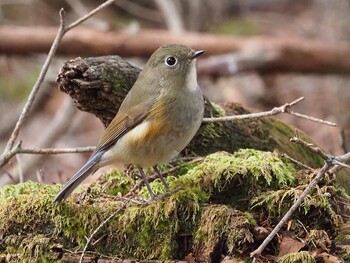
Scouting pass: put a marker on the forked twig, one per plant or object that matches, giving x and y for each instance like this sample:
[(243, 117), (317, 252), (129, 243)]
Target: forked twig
[(330, 161), (277, 110), (8, 152), (11, 149)]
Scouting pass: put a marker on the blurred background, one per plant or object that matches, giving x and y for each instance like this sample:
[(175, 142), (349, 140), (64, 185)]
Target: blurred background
[(55, 122)]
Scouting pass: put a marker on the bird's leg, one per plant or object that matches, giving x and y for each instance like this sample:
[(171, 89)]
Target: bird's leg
[(167, 189), (153, 196)]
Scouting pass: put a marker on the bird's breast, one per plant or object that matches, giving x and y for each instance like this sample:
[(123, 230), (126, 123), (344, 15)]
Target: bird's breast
[(166, 131)]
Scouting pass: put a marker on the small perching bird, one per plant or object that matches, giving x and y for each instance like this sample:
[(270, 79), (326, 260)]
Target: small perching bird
[(157, 119)]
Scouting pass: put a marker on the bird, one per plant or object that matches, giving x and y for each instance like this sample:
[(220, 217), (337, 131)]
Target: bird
[(157, 119)]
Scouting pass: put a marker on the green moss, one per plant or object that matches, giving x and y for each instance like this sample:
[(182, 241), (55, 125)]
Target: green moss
[(281, 133), (235, 178), (112, 183), (151, 231), (345, 253), (319, 203), (32, 247), (298, 257), (28, 213), (265, 134), (209, 207), (142, 232), (222, 224)]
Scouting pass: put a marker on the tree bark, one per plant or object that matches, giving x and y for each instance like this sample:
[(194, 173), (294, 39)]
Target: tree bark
[(265, 54)]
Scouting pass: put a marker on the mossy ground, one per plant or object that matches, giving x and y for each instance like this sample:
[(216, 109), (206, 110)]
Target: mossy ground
[(213, 210)]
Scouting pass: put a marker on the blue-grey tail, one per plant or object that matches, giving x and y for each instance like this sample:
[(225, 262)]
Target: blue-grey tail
[(89, 168)]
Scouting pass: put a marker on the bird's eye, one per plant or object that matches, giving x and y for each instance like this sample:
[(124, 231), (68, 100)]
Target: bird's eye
[(170, 61)]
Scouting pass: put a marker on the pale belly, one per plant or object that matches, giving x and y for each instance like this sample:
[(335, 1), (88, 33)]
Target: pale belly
[(133, 148)]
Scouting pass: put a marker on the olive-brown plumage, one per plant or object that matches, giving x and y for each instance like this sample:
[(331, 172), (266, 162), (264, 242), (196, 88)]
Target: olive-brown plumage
[(157, 119)]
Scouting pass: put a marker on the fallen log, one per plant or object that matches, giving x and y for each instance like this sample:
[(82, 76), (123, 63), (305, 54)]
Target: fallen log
[(264, 53)]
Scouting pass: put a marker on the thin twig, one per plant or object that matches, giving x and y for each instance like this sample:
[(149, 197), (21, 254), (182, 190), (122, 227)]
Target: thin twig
[(330, 161), (296, 162), (256, 253), (311, 118), (88, 15), (307, 232), (61, 30), (58, 126), (343, 165), (9, 151), (311, 147), (344, 159), (88, 240), (55, 150), (277, 110)]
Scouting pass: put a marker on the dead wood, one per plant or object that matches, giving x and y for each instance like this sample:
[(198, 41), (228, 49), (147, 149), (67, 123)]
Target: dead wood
[(264, 53)]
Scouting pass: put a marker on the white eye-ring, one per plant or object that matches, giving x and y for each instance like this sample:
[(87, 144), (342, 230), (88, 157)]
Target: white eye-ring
[(170, 61)]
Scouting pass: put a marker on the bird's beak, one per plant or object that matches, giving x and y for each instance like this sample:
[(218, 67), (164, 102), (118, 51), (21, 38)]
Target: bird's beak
[(197, 53)]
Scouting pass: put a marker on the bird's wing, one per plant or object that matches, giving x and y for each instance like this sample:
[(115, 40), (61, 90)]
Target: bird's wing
[(125, 121), (121, 124)]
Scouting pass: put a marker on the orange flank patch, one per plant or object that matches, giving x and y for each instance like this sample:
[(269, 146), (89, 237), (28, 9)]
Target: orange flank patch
[(157, 122), (157, 126)]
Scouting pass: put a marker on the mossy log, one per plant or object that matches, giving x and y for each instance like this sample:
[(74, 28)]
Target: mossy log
[(218, 206), (215, 208), (98, 85)]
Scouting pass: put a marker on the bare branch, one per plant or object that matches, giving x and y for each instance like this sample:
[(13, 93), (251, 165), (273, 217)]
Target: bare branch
[(344, 158), (6, 154), (343, 165), (312, 148), (9, 152), (58, 126), (55, 150), (277, 110), (296, 162), (311, 118), (256, 253), (87, 16), (263, 53), (330, 161)]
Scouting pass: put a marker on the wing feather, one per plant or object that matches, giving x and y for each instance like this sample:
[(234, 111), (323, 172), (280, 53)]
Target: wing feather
[(128, 117), (120, 125)]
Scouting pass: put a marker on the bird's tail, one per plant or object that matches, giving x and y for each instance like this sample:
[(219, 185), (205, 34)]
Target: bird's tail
[(88, 168)]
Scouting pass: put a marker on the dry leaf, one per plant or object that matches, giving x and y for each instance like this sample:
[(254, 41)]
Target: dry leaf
[(289, 245), (327, 258)]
